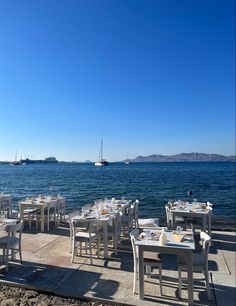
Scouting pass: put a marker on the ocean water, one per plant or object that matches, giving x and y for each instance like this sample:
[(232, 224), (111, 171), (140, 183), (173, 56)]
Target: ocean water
[(152, 183)]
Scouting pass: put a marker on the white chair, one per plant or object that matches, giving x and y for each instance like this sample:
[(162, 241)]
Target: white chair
[(12, 242), (79, 229), (197, 222), (135, 223), (127, 219), (200, 262), (169, 216), (150, 260), (152, 222), (89, 237), (209, 220), (114, 231), (31, 214), (60, 210)]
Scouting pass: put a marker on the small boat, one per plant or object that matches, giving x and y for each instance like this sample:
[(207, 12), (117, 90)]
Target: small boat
[(101, 161), (127, 162), (16, 162)]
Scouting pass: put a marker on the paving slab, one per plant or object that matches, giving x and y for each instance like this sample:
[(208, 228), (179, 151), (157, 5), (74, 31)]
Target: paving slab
[(224, 289), (47, 266)]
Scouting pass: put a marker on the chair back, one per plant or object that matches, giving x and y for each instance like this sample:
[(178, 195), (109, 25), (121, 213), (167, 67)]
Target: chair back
[(61, 205), (209, 219), (133, 236), (206, 240), (118, 224), (15, 228), (167, 208), (90, 226), (135, 214)]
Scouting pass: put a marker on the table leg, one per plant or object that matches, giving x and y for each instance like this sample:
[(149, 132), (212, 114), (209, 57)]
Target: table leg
[(173, 221), (42, 218), (140, 273), (204, 222), (190, 278), (21, 212), (105, 239)]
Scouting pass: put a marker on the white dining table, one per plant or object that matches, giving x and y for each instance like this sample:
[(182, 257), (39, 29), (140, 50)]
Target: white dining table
[(104, 215), (190, 210), (40, 203), (172, 246), (6, 203)]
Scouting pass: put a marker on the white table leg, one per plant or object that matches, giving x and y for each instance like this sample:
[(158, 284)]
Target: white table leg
[(190, 278), (204, 222), (42, 218), (140, 273), (105, 239)]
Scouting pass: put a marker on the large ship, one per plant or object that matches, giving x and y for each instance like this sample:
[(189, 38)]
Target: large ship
[(47, 160)]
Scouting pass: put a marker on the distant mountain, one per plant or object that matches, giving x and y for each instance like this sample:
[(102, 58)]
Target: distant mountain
[(185, 157)]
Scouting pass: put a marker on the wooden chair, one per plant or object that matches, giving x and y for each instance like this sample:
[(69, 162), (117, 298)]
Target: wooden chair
[(200, 263), (11, 244), (150, 260)]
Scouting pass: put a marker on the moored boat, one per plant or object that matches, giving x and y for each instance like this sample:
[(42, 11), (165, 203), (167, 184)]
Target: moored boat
[(101, 161)]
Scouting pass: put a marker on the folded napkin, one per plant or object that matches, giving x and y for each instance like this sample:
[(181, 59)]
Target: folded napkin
[(181, 237), (178, 237)]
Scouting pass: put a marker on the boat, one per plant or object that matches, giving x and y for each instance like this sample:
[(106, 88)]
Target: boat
[(127, 162), (47, 160), (16, 162), (101, 161)]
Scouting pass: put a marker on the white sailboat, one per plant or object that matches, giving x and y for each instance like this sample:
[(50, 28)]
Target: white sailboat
[(101, 161), (16, 162)]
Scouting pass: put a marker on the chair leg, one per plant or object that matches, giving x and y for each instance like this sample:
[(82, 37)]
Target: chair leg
[(180, 283), (206, 274), (7, 259), (135, 279), (98, 248), (160, 277), (148, 270), (20, 254), (90, 251)]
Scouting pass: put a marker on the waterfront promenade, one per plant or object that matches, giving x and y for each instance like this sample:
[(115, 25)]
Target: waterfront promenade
[(47, 267)]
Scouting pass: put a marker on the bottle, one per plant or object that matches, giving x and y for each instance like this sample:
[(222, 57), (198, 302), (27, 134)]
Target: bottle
[(163, 239)]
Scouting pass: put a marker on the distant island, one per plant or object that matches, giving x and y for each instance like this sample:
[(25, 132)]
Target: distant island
[(184, 157), (154, 158)]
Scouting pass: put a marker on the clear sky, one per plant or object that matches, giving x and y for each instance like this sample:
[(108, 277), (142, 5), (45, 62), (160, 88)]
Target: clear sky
[(149, 77)]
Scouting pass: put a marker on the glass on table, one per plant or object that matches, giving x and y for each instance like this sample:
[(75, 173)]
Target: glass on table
[(179, 229)]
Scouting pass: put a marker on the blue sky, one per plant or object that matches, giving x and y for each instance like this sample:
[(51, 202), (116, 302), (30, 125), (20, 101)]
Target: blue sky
[(146, 76)]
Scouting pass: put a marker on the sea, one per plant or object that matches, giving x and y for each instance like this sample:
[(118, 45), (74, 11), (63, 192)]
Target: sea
[(153, 184)]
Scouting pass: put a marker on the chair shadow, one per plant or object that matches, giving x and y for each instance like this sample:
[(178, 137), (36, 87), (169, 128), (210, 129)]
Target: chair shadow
[(62, 281)]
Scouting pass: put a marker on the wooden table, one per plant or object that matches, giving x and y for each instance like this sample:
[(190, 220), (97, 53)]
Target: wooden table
[(172, 247)]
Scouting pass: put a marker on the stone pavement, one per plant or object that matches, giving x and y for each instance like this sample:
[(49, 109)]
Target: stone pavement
[(47, 267)]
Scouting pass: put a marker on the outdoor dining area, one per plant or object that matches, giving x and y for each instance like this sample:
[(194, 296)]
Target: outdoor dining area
[(106, 228)]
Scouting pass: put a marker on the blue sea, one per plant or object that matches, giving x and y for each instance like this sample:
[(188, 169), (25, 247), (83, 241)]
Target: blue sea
[(152, 183)]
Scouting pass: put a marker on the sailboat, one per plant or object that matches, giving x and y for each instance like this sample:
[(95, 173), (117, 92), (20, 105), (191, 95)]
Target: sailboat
[(101, 161), (16, 163)]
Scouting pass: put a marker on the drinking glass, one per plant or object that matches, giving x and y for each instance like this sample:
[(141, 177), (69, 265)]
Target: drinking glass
[(179, 229)]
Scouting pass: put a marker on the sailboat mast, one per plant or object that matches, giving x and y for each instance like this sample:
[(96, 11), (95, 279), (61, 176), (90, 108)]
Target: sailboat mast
[(101, 150)]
